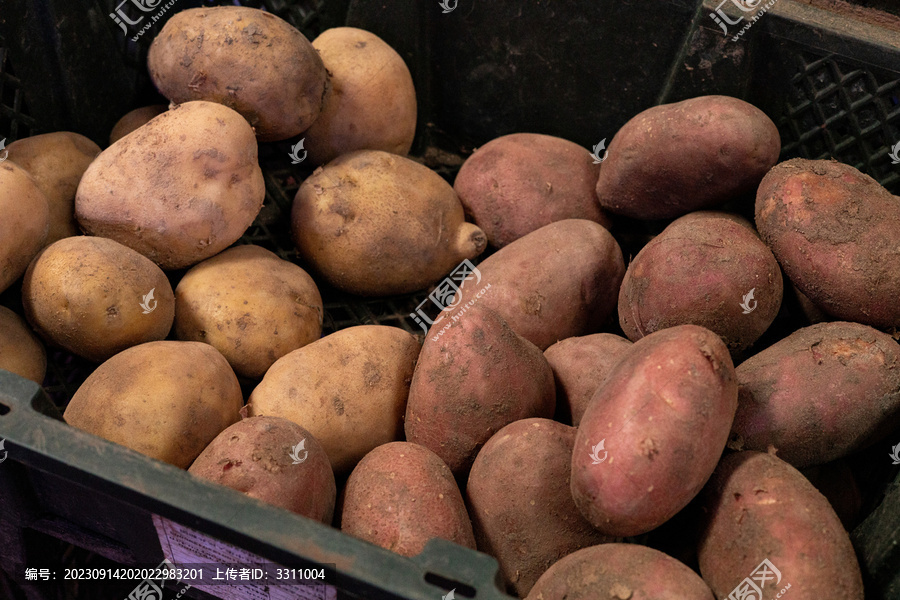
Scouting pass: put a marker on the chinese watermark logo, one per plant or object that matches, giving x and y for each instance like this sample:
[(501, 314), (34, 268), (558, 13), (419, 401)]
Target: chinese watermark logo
[(3, 441), (295, 452), (722, 19), (597, 150), (296, 159), (148, 308), (894, 154), (146, 6), (445, 4), (751, 587), (448, 297), (595, 453), (450, 596), (748, 298), (895, 454), (3, 151)]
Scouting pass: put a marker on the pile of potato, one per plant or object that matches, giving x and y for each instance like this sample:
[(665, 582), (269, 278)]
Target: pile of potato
[(525, 425)]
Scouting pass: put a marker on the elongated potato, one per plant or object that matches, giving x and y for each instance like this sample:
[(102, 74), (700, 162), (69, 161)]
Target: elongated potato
[(24, 221), (21, 352)]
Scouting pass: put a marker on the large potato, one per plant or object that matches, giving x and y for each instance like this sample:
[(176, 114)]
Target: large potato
[(520, 182), (24, 221), (654, 431), (245, 58), (134, 119), (348, 389), (21, 352), (274, 460), (822, 392), (520, 503), (475, 378), (95, 297), (760, 508), (371, 104), (401, 495), (376, 224), (836, 232), (180, 189), (674, 158), (167, 400), (252, 306), (56, 162)]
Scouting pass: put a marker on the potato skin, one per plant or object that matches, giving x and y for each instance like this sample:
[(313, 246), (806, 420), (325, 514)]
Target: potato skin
[(698, 271), (198, 161), (671, 159), (166, 399), (377, 224), (348, 389), (520, 503), (134, 119), (401, 495), (21, 352), (559, 281), (25, 222), (517, 183), (245, 58), (88, 295), (476, 378), (580, 365), (760, 507), (252, 306), (371, 103), (819, 394), (253, 456), (673, 395), (836, 233), (620, 571), (56, 162)]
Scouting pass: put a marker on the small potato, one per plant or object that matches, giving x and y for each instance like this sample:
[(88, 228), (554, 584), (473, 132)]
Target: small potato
[(518, 183), (274, 460), (252, 306), (20, 350), (134, 119), (520, 503), (821, 393), (245, 58), (654, 431), (371, 104), (180, 189), (56, 162), (620, 572), (760, 508), (675, 158), (95, 297), (376, 224), (401, 495), (24, 221), (348, 389), (475, 378), (167, 400), (580, 365)]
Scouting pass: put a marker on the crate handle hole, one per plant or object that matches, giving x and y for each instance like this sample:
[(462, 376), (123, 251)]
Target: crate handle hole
[(4, 409), (466, 591)]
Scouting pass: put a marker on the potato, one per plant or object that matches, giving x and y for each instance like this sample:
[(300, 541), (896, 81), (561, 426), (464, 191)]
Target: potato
[(580, 365), (167, 400), (519, 500), (517, 183), (24, 221), (662, 420), (348, 389), (274, 460), (180, 189), (400, 496), (377, 224), (95, 297), (371, 104), (760, 508), (20, 350), (836, 232), (56, 162), (835, 481), (478, 377), (674, 158), (557, 282), (821, 393), (704, 269), (245, 58), (252, 306), (134, 119), (620, 572)]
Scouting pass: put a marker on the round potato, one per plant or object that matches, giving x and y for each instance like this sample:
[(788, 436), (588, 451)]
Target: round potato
[(371, 104), (95, 297), (252, 306), (274, 460), (20, 350), (134, 119), (166, 399), (24, 221)]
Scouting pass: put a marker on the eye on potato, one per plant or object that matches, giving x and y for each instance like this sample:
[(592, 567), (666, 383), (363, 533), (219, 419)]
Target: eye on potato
[(21, 352), (24, 221), (134, 119)]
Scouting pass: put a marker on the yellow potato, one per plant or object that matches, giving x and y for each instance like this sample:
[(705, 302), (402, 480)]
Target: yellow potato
[(134, 119), (24, 221), (20, 350)]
